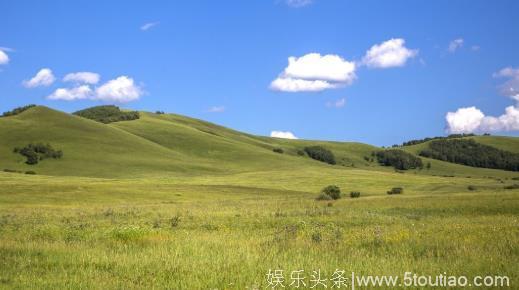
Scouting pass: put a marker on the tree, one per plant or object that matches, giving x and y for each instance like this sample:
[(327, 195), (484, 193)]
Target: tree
[(321, 154)]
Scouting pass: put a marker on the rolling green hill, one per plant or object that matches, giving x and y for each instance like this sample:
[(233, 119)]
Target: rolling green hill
[(172, 145)]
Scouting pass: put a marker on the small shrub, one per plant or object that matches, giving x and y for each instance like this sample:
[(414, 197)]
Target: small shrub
[(278, 150), (321, 154), (317, 237), (354, 194), (396, 190), (471, 187), (323, 196), (333, 191), (30, 172), (300, 152), (174, 221), (513, 186), (11, 170)]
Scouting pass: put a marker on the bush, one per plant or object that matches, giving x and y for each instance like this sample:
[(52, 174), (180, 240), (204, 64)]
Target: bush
[(278, 150), (11, 170), (17, 111), (320, 154), (470, 153), (354, 194), (159, 112), (300, 152), (333, 191), (323, 196), (39, 151), (30, 172), (513, 186), (396, 190), (471, 187), (399, 159), (107, 114)]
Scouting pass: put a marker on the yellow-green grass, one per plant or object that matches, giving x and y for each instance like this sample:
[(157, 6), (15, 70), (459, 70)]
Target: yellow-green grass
[(71, 232)]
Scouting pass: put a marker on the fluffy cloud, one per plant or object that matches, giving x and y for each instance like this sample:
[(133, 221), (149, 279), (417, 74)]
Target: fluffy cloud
[(216, 109), (471, 119), (336, 104), (4, 58), (313, 72), (149, 25), (391, 53), (82, 77), (43, 78), (298, 3), (77, 93), (282, 134), (511, 87), (300, 85), (455, 44), (121, 90)]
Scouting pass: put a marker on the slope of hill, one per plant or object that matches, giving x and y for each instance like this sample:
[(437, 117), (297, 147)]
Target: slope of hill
[(166, 145)]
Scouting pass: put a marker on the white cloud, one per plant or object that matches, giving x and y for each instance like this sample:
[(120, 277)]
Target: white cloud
[(471, 119), (475, 47), (216, 109), (300, 85), (283, 134), (4, 58), (391, 53), (82, 77), (511, 87), (121, 90), (149, 25), (298, 3), (313, 72), (337, 104), (455, 44), (77, 93), (313, 66), (43, 78)]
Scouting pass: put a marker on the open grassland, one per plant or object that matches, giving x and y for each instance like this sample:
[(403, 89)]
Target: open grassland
[(227, 232), (168, 201)]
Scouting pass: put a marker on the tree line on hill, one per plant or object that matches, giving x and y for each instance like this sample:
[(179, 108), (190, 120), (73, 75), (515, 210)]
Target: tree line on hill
[(107, 114), (469, 152), (451, 136), (17, 111)]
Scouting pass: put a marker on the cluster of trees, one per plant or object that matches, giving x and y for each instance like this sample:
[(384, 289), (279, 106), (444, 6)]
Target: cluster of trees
[(278, 150), (17, 111), (469, 152), (399, 159), (36, 152), (321, 154), (396, 190), (159, 112), (107, 114), (451, 136)]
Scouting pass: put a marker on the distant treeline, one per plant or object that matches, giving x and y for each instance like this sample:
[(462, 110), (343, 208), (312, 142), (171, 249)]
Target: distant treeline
[(399, 159), (39, 151), (469, 152), (17, 111), (451, 136), (107, 114)]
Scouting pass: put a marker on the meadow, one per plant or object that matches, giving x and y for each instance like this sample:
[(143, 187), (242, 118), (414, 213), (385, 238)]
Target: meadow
[(177, 203)]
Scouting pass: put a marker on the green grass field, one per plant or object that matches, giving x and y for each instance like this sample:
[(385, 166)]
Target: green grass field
[(172, 202)]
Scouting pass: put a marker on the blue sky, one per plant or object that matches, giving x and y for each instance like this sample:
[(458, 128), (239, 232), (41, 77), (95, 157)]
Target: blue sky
[(378, 72)]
